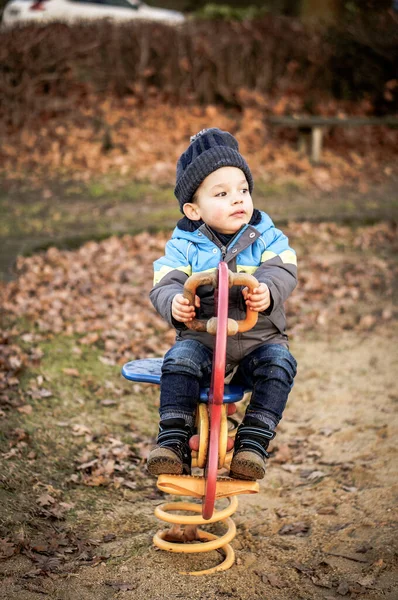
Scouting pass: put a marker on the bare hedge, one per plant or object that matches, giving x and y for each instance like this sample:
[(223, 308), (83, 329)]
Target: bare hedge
[(51, 69)]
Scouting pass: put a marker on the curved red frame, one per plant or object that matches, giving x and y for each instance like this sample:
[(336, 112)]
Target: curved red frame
[(216, 394)]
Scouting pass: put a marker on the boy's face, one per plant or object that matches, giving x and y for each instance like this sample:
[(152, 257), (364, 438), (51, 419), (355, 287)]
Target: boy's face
[(223, 201)]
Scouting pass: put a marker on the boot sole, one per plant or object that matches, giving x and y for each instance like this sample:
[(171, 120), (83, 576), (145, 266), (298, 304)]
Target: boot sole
[(248, 466), (164, 462)]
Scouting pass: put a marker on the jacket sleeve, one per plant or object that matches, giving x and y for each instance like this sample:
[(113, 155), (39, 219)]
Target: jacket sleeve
[(170, 274), (278, 268)]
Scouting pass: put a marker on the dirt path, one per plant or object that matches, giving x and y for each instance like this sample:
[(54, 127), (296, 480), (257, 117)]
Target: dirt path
[(332, 480)]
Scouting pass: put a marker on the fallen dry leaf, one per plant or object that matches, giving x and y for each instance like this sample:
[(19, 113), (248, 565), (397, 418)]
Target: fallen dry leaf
[(79, 430), (121, 585), (273, 580), (327, 510), (7, 548), (300, 528), (71, 372), (283, 454), (26, 409), (46, 500)]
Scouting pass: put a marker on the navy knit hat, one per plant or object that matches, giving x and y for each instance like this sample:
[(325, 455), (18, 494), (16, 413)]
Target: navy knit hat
[(209, 150)]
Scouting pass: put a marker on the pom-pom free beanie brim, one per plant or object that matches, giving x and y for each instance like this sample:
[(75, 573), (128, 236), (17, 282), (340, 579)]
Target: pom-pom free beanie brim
[(209, 150)]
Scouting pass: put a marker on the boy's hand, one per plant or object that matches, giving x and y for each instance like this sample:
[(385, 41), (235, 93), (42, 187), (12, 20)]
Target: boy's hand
[(259, 300), (181, 310)]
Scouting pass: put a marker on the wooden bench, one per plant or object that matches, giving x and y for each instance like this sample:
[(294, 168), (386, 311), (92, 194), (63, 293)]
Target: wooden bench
[(315, 127)]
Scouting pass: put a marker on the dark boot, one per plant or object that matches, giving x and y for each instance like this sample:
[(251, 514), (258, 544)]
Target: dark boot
[(172, 455), (250, 451)]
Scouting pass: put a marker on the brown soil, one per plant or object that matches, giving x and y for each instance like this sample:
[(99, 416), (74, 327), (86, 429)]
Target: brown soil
[(323, 524)]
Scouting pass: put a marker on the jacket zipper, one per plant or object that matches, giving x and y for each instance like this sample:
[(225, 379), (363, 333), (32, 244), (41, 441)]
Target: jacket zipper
[(224, 249), (234, 237)]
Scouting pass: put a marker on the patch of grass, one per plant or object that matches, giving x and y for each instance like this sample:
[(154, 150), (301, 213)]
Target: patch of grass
[(167, 217), (78, 398), (96, 190), (266, 189), (47, 447), (55, 209)]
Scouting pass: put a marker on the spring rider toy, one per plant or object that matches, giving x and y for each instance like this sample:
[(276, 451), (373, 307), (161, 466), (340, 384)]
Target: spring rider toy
[(213, 429)]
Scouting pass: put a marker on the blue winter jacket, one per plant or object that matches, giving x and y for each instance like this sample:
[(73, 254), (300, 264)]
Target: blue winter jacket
[(258, 248)]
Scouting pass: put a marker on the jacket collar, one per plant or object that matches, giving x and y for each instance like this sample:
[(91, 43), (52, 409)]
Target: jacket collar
[(186, 224), (243, 238)]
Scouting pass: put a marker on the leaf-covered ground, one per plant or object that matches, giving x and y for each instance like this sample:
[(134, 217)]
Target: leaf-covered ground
[(119, 137), (77, 518)]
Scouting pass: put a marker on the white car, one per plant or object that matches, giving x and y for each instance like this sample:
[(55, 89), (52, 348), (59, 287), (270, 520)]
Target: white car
[(22, 12)]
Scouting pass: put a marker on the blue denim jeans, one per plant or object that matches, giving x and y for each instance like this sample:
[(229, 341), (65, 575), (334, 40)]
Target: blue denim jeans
[(269, 371)]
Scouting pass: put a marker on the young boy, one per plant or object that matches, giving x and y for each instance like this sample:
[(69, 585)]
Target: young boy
[(214, 186)]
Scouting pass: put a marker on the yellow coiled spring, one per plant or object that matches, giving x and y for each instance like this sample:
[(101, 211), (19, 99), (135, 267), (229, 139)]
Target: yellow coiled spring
[(184, 485), (210, 541)]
